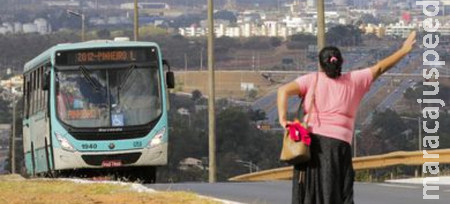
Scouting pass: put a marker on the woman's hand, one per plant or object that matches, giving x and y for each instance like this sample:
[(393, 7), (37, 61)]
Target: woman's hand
[(388, 62), (409, 42), (284, 123)]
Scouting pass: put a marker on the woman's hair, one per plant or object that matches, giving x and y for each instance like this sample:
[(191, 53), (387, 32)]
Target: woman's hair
[(331, 60)]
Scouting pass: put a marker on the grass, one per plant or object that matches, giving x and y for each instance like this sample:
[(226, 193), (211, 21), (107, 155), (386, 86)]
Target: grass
[(17, 190)]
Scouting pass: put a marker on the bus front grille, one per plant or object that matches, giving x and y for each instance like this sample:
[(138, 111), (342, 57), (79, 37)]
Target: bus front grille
[(96, 160)]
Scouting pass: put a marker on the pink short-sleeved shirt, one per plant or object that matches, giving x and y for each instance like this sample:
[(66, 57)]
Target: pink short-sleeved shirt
[(336, 103)]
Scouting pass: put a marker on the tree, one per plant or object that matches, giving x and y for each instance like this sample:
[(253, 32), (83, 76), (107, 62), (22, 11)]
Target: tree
[(344, 35), (225, 15), (257, 115), (196, 95), (301, 41), (6, 116), (275, 42), (252, 94), (257, 43), (237, 139), (104, 34), (369, 19), (384, 134)]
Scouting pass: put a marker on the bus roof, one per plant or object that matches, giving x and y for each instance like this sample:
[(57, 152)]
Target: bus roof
[(46, 55)]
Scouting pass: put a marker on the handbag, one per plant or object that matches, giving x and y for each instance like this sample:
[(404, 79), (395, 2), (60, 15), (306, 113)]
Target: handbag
[(296, 150)]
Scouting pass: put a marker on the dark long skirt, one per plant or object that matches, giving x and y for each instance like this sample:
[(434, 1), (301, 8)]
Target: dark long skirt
[(328, 177)]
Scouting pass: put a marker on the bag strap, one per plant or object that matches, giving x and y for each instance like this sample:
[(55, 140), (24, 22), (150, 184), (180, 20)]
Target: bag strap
[(313, 100)]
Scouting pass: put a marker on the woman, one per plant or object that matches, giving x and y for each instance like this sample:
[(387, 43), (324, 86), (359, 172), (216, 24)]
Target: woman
[(328, 177)]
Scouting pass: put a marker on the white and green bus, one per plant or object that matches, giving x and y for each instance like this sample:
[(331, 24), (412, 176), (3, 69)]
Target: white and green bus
[(97, 105)]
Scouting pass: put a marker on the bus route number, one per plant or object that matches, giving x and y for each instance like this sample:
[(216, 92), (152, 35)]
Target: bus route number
[(89, 146), (137, 144)]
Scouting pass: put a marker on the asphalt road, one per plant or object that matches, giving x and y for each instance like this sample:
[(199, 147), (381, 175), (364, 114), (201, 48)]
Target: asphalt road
[(280, 192)]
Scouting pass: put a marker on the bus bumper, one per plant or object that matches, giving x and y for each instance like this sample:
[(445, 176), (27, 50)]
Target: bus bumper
[(155, 156)]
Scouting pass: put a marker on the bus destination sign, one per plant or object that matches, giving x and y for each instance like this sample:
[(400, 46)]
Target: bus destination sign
[(106, 56)]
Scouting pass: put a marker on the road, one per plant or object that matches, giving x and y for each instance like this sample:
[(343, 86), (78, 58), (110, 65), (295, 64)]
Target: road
[(279, 192)]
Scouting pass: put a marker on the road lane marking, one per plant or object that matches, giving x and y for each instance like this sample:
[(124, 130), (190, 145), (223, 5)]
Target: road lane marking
[(399, 186)]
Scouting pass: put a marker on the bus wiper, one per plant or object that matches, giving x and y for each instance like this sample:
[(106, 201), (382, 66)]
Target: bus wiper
[(124, 81), (95, 85)]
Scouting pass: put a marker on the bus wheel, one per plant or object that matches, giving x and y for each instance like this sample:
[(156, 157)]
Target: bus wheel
[(147, 174), (33, 162)]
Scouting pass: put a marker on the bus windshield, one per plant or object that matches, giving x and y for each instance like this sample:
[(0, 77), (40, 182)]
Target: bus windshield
[(128, 96)]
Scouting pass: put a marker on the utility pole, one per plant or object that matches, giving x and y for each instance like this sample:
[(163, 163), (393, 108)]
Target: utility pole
[(136, 20), (320, 25), (211, 98)]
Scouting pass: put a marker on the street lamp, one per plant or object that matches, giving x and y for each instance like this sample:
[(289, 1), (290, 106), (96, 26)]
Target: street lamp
[(81, 15), (248, 164), (419, 120)]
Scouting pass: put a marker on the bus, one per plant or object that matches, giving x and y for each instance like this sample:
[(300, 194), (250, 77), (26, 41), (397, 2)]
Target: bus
[(97, 105)]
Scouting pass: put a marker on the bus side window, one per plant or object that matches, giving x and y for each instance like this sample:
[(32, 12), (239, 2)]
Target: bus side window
[(41, 89), (25, 95), (35, 92), (32, 94), (34, 89), (38, 89)]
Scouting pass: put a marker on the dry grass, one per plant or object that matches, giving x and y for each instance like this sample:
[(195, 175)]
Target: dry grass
[(17, 190)]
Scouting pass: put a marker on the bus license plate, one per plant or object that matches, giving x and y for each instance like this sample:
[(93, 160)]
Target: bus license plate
[(113, 163)]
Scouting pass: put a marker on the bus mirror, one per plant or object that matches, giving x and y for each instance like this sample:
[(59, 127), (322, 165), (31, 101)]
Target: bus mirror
[(46, 81), (170, 80)]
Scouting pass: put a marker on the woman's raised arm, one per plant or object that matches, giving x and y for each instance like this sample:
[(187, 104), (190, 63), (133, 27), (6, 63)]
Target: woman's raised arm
[(387, 63), (283, 94)]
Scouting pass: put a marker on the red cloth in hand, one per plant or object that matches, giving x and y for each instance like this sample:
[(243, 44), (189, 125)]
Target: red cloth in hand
[(299, 133)]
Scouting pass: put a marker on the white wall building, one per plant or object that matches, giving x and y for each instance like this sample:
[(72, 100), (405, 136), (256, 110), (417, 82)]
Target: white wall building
[(400, 29), (39, 25)]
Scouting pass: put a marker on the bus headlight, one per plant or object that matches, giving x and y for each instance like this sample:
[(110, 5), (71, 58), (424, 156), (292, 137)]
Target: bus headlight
[(65, 144), (158, 138)]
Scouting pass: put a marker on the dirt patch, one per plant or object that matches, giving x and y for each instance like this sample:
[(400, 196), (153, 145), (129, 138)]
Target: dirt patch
[(17, 190)]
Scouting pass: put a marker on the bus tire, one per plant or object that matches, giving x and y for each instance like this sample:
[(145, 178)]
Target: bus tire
[(148, 174), (47, 157), (33, 162)]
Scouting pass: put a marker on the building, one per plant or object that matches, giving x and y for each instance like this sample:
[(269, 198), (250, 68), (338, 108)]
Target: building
[(446, 7), (13, 85), (146, 6), (379, 30), (400, 29), (360, 3), (39, 25), (311, 3), (340, 2), (63, 3)]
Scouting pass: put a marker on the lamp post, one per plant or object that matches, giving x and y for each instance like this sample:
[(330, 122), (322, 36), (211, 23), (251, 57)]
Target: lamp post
[(419, 121), (81, 15)]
